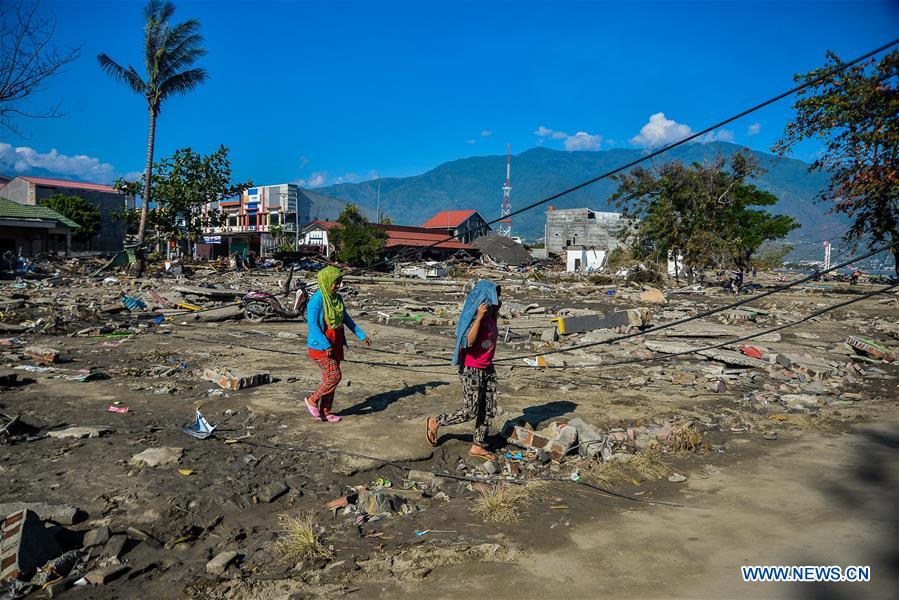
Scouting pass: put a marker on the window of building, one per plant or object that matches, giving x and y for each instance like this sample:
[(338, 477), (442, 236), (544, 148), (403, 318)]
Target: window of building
[(274, 219)]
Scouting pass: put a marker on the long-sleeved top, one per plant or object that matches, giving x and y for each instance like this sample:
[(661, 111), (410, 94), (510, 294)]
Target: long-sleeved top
[(315, 318)]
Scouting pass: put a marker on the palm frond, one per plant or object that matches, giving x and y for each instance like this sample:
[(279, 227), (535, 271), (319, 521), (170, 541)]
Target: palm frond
[(119, 73), (177, 63), (181, 32), (182, 83), (159, 10)]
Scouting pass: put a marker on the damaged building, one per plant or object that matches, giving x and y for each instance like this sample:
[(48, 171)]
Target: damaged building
[(582, 228), (110, 202)]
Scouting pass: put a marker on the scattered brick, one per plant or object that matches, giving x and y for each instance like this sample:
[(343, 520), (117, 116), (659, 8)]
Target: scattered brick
[(233, 379)]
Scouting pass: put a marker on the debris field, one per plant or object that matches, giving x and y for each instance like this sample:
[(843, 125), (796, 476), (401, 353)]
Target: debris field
[(153, 443)]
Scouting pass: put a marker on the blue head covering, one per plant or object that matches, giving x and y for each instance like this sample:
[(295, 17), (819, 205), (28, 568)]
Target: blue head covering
[(483, 291)]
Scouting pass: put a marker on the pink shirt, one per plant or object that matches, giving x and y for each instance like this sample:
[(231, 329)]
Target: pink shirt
[(480, 354)]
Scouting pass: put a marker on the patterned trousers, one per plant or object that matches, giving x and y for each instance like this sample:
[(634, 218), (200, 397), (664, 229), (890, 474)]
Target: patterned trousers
[(323, 396), (479, 402)]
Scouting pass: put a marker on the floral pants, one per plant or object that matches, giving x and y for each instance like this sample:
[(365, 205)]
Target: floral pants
[(323, 396), (479, 402)]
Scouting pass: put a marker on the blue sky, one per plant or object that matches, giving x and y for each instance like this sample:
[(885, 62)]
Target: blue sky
[(319, 93)]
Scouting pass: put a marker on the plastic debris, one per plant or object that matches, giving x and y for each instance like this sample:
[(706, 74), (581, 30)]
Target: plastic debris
[(132, 303), (200, 429), (117, 409)]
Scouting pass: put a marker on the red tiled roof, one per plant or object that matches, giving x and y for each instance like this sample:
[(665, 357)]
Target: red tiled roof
[(448, 218), (403, 235), (64, 183)]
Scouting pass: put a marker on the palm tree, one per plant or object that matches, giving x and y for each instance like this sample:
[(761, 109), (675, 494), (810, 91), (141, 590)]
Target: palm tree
[(169, 51)]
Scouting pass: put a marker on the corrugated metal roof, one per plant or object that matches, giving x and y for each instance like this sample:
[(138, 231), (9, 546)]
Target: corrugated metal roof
[(14, 210)]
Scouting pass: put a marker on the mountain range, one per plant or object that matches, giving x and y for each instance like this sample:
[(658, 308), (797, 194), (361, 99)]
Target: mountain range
[(476, 182)]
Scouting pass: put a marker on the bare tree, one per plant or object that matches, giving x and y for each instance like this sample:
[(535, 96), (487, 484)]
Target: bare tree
[(27, 59)]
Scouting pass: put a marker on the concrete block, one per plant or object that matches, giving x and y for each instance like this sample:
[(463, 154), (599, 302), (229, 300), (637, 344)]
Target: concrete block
[(271, 491), (589, 439), (42, 354), (96, 537), (235, 379), (25, 545), (219, 564)]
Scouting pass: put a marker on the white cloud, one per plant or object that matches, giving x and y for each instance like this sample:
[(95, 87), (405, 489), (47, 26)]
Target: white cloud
[(23, 159), (583, 141), (719, 135), (550, 133), (471, 142), (486, 133), (754, 128), (317, 179), (579, 141), (660, 131)]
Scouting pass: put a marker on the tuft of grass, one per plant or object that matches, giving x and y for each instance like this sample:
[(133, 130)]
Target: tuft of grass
[(501, 503), (686, 438), (604, 473), (799, 421), (300, 538), (648, 464)]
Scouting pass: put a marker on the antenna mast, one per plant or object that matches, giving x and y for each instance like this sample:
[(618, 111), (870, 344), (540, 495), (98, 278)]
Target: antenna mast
[(505, 222)]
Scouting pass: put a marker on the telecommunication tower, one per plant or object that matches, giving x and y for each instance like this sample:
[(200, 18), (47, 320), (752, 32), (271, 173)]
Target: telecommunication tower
[(505, 215)]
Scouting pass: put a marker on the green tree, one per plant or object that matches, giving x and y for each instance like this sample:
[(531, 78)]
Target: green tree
[(772, 257), (77, 209), (169, 52), (701, 213), (184, 185), (358, 242), (854, 115)]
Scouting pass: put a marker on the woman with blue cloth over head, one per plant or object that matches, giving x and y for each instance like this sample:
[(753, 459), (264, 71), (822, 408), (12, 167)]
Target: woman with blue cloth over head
[(326, 316), (476, 336)]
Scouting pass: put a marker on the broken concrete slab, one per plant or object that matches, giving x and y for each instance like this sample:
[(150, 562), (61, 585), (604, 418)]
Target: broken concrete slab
[(104, 575), (154, 457), (115, 546), (653, 296), (665, 347), (735, 359), (25, 545), (58, 513), (633, 317), (236, 379), (80, 432), (231, 312), (96, 537)]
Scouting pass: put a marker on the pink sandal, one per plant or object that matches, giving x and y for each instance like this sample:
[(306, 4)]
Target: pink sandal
[(313, 410), (332, 418)]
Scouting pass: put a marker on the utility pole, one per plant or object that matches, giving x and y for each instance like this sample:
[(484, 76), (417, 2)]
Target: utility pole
[(379, 200), (505, 214)]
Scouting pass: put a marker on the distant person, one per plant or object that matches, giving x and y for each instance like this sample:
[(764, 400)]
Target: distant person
[(476, 336), (736, 281), (326, 315), (856, 275), (251, 260)]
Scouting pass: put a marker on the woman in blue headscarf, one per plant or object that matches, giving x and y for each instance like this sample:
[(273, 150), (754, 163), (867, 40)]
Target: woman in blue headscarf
[(476, 336)]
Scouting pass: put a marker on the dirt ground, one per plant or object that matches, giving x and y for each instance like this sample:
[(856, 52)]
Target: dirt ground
[(767, 485)]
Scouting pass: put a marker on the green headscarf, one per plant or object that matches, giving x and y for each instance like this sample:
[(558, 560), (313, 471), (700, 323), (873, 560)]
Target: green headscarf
[(333, 302)]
